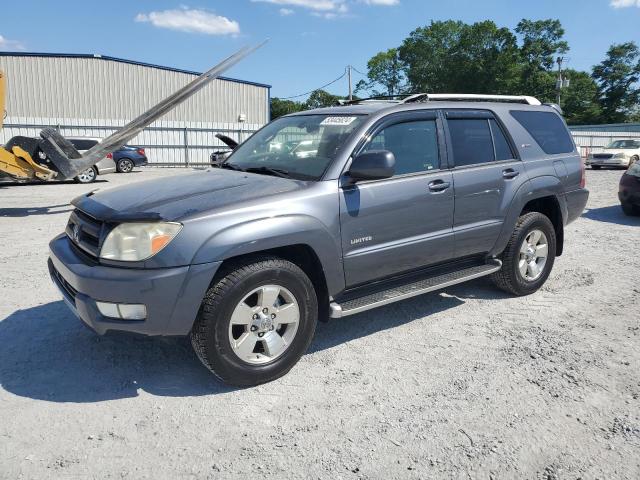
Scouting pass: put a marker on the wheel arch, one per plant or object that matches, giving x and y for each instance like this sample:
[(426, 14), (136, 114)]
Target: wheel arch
[(543, 194)]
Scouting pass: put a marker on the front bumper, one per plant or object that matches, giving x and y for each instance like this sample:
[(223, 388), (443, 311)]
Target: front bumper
[(607, 162), (172, 296)]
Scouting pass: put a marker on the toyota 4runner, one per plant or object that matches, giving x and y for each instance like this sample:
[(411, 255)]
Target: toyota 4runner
[(397, 197)]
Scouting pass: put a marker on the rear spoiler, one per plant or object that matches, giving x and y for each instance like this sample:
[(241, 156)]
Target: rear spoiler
[(70, 162)]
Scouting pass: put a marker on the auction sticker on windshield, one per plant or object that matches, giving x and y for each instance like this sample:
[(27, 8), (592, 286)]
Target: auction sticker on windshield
[(341, 121)]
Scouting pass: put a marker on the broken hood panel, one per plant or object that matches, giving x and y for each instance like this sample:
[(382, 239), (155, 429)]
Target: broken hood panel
[(177, 197)]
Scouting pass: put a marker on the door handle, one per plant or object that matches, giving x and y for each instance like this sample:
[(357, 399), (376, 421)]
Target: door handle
[(438, 186), (510, 173)]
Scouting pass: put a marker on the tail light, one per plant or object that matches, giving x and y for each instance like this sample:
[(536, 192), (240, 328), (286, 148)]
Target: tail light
[(109, 155), (583, 176), (141, 151)]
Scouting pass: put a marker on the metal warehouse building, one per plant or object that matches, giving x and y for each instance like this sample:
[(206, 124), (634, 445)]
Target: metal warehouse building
[(91, 95)]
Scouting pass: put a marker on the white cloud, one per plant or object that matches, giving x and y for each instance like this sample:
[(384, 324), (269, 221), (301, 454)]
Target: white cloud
[(328, 9), (384, 2), (6, 44), (318, 5), (625, 3), (192, 21)]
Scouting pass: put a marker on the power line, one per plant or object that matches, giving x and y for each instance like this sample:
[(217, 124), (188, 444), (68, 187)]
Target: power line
[(319, 88), (363, 74)]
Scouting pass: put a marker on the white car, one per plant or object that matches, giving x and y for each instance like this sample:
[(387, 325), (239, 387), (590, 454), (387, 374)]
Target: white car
[(619, 153), (106, 165)]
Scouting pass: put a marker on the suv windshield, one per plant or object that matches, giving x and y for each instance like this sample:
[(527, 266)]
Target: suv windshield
[(300, 147), (624, 144)]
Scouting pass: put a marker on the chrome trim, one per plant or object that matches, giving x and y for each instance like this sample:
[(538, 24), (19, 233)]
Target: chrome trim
[(336, 311)]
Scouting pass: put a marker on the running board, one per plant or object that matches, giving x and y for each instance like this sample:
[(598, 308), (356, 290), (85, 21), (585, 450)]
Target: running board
[(402, 292)]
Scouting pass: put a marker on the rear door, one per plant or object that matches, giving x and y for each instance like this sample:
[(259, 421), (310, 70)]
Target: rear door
[(405, 222), (486, 174)]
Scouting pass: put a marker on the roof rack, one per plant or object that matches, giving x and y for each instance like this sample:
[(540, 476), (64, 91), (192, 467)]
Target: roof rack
[(429, 97), (471, 97)]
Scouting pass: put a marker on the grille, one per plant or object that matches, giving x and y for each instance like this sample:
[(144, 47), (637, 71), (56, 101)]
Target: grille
[(86, 232), (62, 283), (603, 156)]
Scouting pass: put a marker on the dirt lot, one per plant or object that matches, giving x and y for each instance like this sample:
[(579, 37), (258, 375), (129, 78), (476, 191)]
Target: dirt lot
[(465, 383)]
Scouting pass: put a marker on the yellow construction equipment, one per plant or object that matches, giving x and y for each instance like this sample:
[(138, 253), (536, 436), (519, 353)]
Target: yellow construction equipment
[(53, 157)]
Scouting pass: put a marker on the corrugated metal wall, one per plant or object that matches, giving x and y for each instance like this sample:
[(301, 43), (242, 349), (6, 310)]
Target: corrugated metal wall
[(97, 88)]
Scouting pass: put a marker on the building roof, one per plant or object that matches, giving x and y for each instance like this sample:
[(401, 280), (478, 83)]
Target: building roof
[(611, 127), (123, 60)]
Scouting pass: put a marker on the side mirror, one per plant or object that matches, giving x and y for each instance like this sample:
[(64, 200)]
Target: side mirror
[(373, 165)]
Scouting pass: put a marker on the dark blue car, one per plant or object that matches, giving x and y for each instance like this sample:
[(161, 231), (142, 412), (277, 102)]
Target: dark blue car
[(128, 157)]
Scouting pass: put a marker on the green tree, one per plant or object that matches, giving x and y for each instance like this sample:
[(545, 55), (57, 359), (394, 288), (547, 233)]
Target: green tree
[(386, 70), (452, 56), (541, 43), (281, 107), (322, 98), (580, 100), (617, 77)]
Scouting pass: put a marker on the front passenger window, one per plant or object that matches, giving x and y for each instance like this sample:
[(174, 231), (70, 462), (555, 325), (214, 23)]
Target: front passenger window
[(414, 144)]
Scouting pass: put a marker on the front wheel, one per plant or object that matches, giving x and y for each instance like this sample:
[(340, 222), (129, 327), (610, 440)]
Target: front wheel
[(633, 160), (529, 256), (256, 321), (87, 176)]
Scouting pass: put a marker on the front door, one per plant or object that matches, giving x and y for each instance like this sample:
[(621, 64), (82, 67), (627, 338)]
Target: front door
[(405, 222)]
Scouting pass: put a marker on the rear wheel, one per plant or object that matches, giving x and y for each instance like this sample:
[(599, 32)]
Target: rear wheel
[(256, 321), (125, 165), (88, 176), (529, 256)]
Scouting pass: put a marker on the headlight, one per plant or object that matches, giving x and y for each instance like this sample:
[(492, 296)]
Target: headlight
[(620, 155), (132, 242)]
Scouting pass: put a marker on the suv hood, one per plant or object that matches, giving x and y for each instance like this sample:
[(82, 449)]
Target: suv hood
[(174, 198)]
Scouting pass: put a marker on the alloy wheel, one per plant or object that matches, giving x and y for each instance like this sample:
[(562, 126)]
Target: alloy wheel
[(533, 255), (264, 324)]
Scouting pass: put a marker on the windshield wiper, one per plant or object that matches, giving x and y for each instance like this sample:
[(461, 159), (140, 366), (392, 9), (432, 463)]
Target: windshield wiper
[(278, 172), (231, 166)]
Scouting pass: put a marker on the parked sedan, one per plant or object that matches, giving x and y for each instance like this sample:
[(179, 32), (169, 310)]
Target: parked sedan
[(629, 192), (128, 157), (106, 165), (619, 153)]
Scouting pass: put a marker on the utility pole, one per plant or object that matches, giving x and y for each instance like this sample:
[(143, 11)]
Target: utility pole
[(562, 81), (350, 89)]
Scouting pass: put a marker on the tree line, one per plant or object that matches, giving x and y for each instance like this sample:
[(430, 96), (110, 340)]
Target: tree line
[(456, 57)]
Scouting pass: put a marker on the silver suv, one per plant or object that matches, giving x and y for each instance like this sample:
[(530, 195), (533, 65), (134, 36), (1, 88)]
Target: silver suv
[(397, 197)]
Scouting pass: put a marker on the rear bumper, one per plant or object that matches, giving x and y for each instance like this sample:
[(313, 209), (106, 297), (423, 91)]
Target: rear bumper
[(576, 201), (139, 162), (172, 296)]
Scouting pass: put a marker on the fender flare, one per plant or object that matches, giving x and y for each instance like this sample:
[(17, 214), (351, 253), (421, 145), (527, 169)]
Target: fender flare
[(268, 233), (532, 189)]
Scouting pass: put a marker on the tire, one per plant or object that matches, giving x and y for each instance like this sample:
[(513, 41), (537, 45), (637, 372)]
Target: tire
[(630, 210), (509, 278), (125, 165), (595, 167), (88, 176), (214, 331), (633, 160)]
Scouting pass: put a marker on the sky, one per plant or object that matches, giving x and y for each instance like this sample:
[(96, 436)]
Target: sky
[(311, 41)]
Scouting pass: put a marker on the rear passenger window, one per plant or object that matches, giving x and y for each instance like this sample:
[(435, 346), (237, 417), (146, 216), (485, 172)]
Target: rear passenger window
[(503, 150), (414, 144), (471, 141), (81, 144), (547, 129)]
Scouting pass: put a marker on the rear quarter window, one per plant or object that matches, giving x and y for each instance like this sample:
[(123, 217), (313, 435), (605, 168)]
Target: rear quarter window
[(547, 129)]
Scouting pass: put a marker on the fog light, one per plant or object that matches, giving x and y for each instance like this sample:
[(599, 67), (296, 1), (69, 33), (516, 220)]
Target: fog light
[(125, 311)]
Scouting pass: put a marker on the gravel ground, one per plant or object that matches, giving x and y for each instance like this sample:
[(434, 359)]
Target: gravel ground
[(464, 383)]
